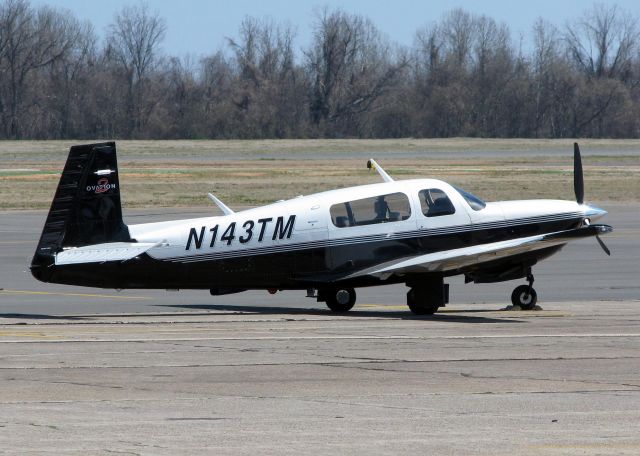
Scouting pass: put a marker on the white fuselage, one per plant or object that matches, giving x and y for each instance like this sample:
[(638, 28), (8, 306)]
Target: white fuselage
[(307, 220)]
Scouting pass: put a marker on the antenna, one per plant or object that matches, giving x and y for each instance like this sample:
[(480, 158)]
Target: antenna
[(371, 163), (223, 207)]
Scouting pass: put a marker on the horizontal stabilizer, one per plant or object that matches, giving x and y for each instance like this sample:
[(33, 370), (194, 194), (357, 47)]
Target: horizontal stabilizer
[(100, 253)]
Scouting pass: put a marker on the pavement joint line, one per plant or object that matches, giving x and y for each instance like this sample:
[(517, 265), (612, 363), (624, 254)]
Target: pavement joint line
[(367, 337), (344, 396), (349, 363)]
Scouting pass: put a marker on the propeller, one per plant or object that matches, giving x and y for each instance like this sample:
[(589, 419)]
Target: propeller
[(578, 180), (578, 187), (602, 244)]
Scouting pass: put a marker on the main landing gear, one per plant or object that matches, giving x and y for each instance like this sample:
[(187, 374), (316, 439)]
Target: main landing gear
[(427, 295), (524, 295), (338, 299)]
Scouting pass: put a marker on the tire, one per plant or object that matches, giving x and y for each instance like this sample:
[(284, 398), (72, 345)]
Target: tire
[(419, 303), (340, 299), (521, 297)]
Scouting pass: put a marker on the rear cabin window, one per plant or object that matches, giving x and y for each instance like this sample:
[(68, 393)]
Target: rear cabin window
[(393, 207), (435, 203)]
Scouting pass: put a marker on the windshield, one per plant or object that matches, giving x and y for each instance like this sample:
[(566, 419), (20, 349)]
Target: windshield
[(471, 199)]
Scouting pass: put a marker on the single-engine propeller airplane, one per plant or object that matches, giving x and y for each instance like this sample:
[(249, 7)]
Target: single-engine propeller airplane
[(416, 232)]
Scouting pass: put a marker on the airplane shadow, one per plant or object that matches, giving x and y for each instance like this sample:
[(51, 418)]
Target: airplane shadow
[(448, 317)]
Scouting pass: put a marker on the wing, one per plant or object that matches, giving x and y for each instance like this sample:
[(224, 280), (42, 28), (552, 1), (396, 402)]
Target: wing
[(454, 259)]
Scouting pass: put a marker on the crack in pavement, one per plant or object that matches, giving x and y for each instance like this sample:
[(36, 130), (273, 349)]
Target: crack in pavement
[(536, 379)]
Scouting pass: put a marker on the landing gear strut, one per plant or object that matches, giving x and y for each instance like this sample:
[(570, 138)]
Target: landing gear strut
[(524, 295)]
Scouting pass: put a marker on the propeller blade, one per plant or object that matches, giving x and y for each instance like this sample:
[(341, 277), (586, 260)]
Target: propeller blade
[(602, 244), (578, 180)]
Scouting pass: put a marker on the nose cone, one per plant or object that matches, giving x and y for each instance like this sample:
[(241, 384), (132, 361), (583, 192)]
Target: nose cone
[(593, 212)]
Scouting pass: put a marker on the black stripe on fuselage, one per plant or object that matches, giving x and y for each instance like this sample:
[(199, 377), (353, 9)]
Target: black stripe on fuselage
[(296, 265), (481, 233)]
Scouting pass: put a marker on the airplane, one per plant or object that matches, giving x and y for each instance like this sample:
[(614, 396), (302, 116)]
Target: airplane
[(418, 232)]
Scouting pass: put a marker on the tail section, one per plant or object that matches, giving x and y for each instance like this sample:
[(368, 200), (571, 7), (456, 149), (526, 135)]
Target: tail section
[(86, 208)]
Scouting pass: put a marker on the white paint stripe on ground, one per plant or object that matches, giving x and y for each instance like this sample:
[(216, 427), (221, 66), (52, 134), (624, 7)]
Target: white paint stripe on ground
[(81, 295)]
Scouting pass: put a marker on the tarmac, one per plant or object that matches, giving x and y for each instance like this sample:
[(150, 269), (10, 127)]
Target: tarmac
[(86, 371)]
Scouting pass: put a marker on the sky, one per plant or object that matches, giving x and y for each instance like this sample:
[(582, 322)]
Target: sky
[(200, 27)]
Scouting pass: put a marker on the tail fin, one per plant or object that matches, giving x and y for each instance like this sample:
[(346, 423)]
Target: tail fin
[(86, 208)]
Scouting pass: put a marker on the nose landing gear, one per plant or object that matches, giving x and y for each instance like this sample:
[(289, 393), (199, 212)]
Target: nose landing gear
[(525, 296)]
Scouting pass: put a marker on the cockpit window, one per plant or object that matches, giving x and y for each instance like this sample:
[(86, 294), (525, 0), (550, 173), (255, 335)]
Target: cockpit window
[(471, 199), (392, 207), (435, 203)]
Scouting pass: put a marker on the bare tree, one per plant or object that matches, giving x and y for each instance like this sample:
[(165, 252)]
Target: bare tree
[(267, 95), (216, 80), (29, 40), (350, 68), (602, 45), (603, 42), (68, 82), (134, 43), (493, 70), (428, 49), (458, 28), (183, 100), (465, 74), (546, 54)]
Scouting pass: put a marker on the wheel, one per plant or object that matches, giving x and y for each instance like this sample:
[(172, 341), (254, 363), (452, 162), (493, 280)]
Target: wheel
[(521, 297), (419, 302), (340, 299)]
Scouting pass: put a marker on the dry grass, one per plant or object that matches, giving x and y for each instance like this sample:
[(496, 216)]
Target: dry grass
[(180, 173)]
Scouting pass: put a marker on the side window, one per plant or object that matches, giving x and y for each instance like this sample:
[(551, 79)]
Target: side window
[(434, 203), (393, 207), (341, 215)]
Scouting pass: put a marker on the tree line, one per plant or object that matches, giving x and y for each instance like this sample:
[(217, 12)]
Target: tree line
[(464, 75)]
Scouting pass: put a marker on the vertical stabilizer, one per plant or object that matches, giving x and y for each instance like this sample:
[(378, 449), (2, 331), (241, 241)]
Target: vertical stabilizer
[(86, 207)]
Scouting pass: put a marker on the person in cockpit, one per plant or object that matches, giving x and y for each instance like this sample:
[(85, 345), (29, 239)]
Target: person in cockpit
[(381, 208)]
